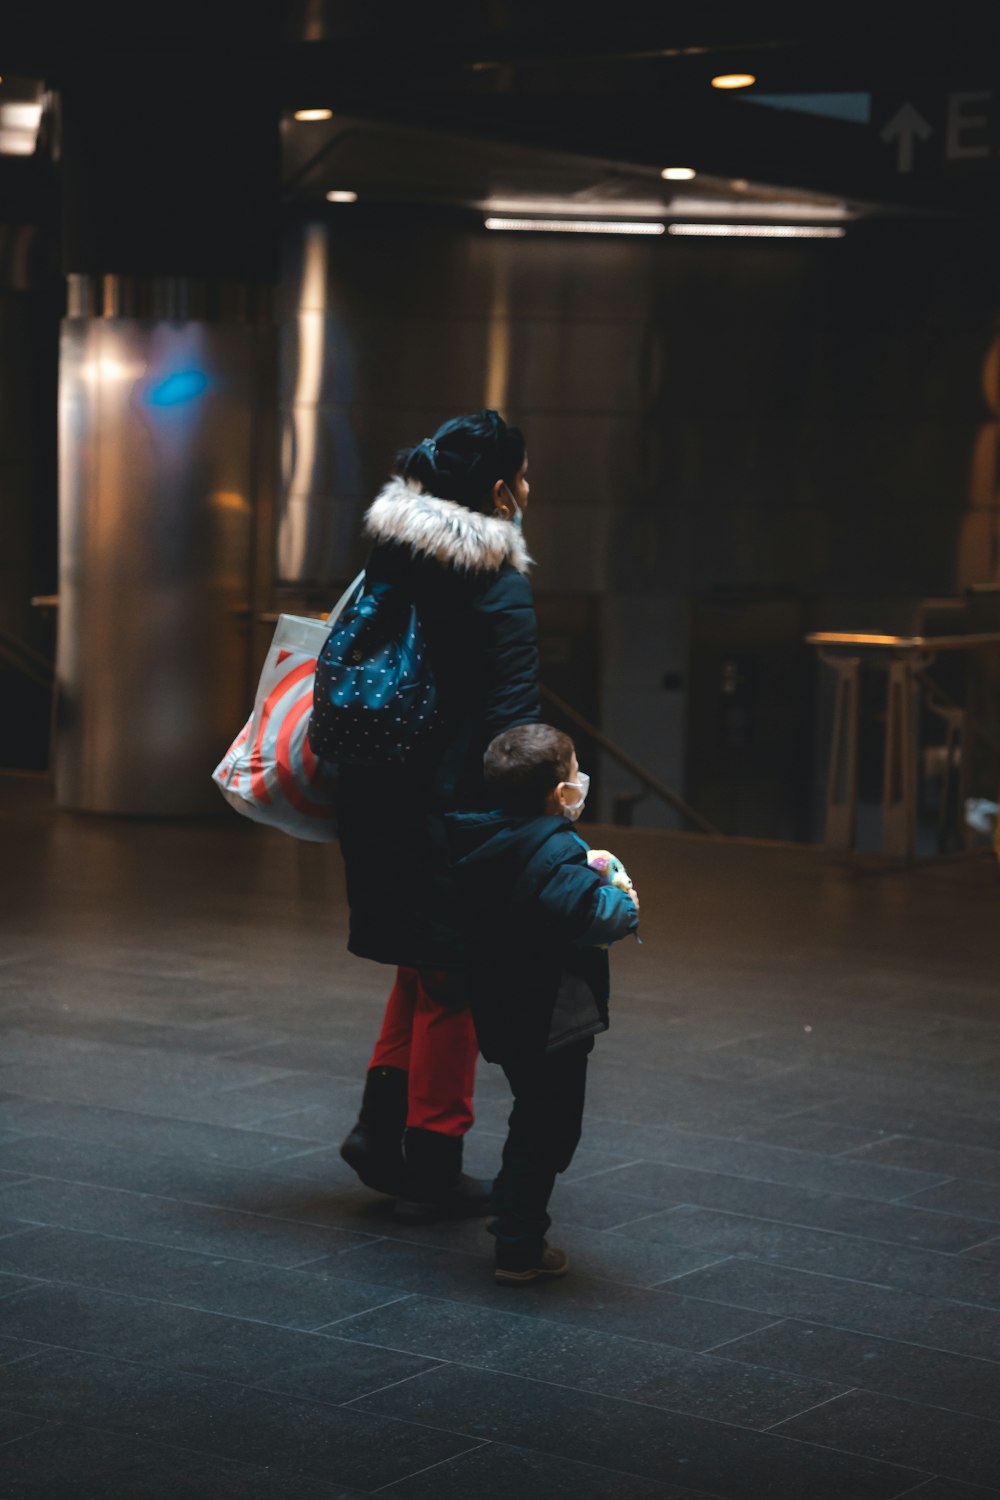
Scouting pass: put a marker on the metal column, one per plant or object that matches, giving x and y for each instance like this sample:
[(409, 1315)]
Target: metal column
[(158, 460)]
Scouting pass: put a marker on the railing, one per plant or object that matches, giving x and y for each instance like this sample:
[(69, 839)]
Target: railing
[(26, 660), (650, 782), (906, 660)]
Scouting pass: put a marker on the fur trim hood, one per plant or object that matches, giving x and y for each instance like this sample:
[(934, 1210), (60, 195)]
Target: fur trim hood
[(458, 537)]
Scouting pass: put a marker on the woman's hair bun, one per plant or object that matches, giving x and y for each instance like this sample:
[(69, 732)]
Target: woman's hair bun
[(465, 458)]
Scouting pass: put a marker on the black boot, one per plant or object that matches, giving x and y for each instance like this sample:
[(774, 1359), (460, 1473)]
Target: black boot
[(435, 1187), (374, 1147)]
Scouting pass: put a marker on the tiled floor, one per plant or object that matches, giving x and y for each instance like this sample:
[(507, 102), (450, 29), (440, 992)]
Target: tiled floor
[(784, 1219)]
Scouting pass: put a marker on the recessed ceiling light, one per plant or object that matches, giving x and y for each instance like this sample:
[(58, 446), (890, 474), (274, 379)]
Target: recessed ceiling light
[(341, 195), (314, 114), (733, 80), (678, 174)]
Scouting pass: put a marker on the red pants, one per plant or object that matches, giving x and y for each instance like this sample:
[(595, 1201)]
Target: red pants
[(437, 1047)]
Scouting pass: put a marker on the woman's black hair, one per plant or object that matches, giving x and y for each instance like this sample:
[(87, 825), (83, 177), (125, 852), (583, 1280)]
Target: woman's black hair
[(465, 458)]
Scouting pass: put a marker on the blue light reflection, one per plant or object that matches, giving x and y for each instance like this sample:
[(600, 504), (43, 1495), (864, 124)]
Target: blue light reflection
[(181, 386)]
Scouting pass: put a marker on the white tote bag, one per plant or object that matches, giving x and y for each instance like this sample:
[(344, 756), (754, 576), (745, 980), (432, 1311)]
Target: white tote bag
[(269, 772)]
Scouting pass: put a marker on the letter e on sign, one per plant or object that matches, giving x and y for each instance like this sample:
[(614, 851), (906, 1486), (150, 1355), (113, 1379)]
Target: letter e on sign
[(963, 125)]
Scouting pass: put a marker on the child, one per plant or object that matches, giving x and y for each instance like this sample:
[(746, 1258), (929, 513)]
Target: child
[(536, 916)]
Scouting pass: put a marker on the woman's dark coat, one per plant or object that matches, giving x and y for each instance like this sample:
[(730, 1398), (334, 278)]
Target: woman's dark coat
[(467, 574)]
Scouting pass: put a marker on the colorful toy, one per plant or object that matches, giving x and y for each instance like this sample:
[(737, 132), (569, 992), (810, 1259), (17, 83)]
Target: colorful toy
[(610, 868), (611, 871)]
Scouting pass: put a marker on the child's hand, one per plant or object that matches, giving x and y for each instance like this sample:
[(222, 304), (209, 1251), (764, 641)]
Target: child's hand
[(633, 896)]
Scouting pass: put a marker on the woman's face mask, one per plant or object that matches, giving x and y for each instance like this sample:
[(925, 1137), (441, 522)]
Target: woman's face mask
[(517, 519), (581, 785)]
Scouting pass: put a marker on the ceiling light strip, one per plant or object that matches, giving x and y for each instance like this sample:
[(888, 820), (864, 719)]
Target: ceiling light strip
[(575, 226), (761, 231), (782, 210)]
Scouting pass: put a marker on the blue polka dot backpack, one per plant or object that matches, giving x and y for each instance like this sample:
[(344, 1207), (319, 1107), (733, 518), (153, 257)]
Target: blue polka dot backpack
[(374, 697)]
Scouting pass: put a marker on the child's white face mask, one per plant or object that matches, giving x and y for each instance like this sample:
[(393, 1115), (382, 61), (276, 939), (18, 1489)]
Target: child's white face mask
[(582, 785)]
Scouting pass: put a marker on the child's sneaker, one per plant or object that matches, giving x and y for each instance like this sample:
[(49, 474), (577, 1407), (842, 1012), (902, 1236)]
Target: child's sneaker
[(512, 1270)]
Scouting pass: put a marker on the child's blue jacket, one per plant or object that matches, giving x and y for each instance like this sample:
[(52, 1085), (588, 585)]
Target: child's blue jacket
[(534, 914)]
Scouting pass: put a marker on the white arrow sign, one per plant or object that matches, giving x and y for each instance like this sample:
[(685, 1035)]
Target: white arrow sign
[(905, 127)]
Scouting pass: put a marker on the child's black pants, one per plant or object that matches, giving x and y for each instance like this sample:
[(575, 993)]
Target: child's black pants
[(543, 1133)]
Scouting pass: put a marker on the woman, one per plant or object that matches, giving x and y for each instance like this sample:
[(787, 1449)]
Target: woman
[(446, 530)]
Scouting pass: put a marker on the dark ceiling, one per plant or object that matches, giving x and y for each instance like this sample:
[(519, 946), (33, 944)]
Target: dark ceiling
[(898, 116), (465, 102)]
